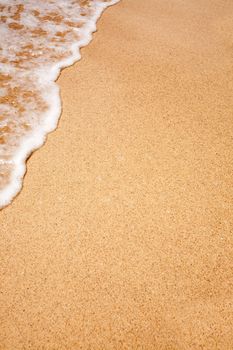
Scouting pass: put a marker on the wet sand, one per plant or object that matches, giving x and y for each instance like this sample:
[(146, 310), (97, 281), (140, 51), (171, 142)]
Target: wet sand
[(122, 235)]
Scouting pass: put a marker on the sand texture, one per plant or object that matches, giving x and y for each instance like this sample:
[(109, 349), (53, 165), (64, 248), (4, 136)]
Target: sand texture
[(122, 235)]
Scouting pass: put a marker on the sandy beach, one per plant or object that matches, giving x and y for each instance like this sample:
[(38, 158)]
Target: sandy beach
[(122, 235)]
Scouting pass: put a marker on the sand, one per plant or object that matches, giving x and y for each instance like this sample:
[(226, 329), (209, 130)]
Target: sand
[(122, 235)]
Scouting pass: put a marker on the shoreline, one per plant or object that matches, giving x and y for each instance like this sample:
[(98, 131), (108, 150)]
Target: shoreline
[(38, 136), (121, 236)]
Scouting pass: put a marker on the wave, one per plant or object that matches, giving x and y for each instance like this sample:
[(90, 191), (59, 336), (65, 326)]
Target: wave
[(38, 39)]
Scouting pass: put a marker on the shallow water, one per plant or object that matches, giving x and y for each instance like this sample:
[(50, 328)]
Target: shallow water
[(38, 38)]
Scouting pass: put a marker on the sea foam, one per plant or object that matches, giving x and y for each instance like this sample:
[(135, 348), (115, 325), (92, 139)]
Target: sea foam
[(38, 38)]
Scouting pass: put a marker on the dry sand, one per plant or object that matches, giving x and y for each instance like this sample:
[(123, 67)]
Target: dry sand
[(121, 237)]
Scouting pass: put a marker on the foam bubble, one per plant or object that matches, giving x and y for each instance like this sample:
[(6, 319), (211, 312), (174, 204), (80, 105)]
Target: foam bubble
[(38, 39)]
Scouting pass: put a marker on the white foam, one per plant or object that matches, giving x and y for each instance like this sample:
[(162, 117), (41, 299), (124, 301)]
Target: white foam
[(38, 73)]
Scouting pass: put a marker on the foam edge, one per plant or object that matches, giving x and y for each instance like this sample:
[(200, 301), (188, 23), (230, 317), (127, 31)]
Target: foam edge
[(51, 117)]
